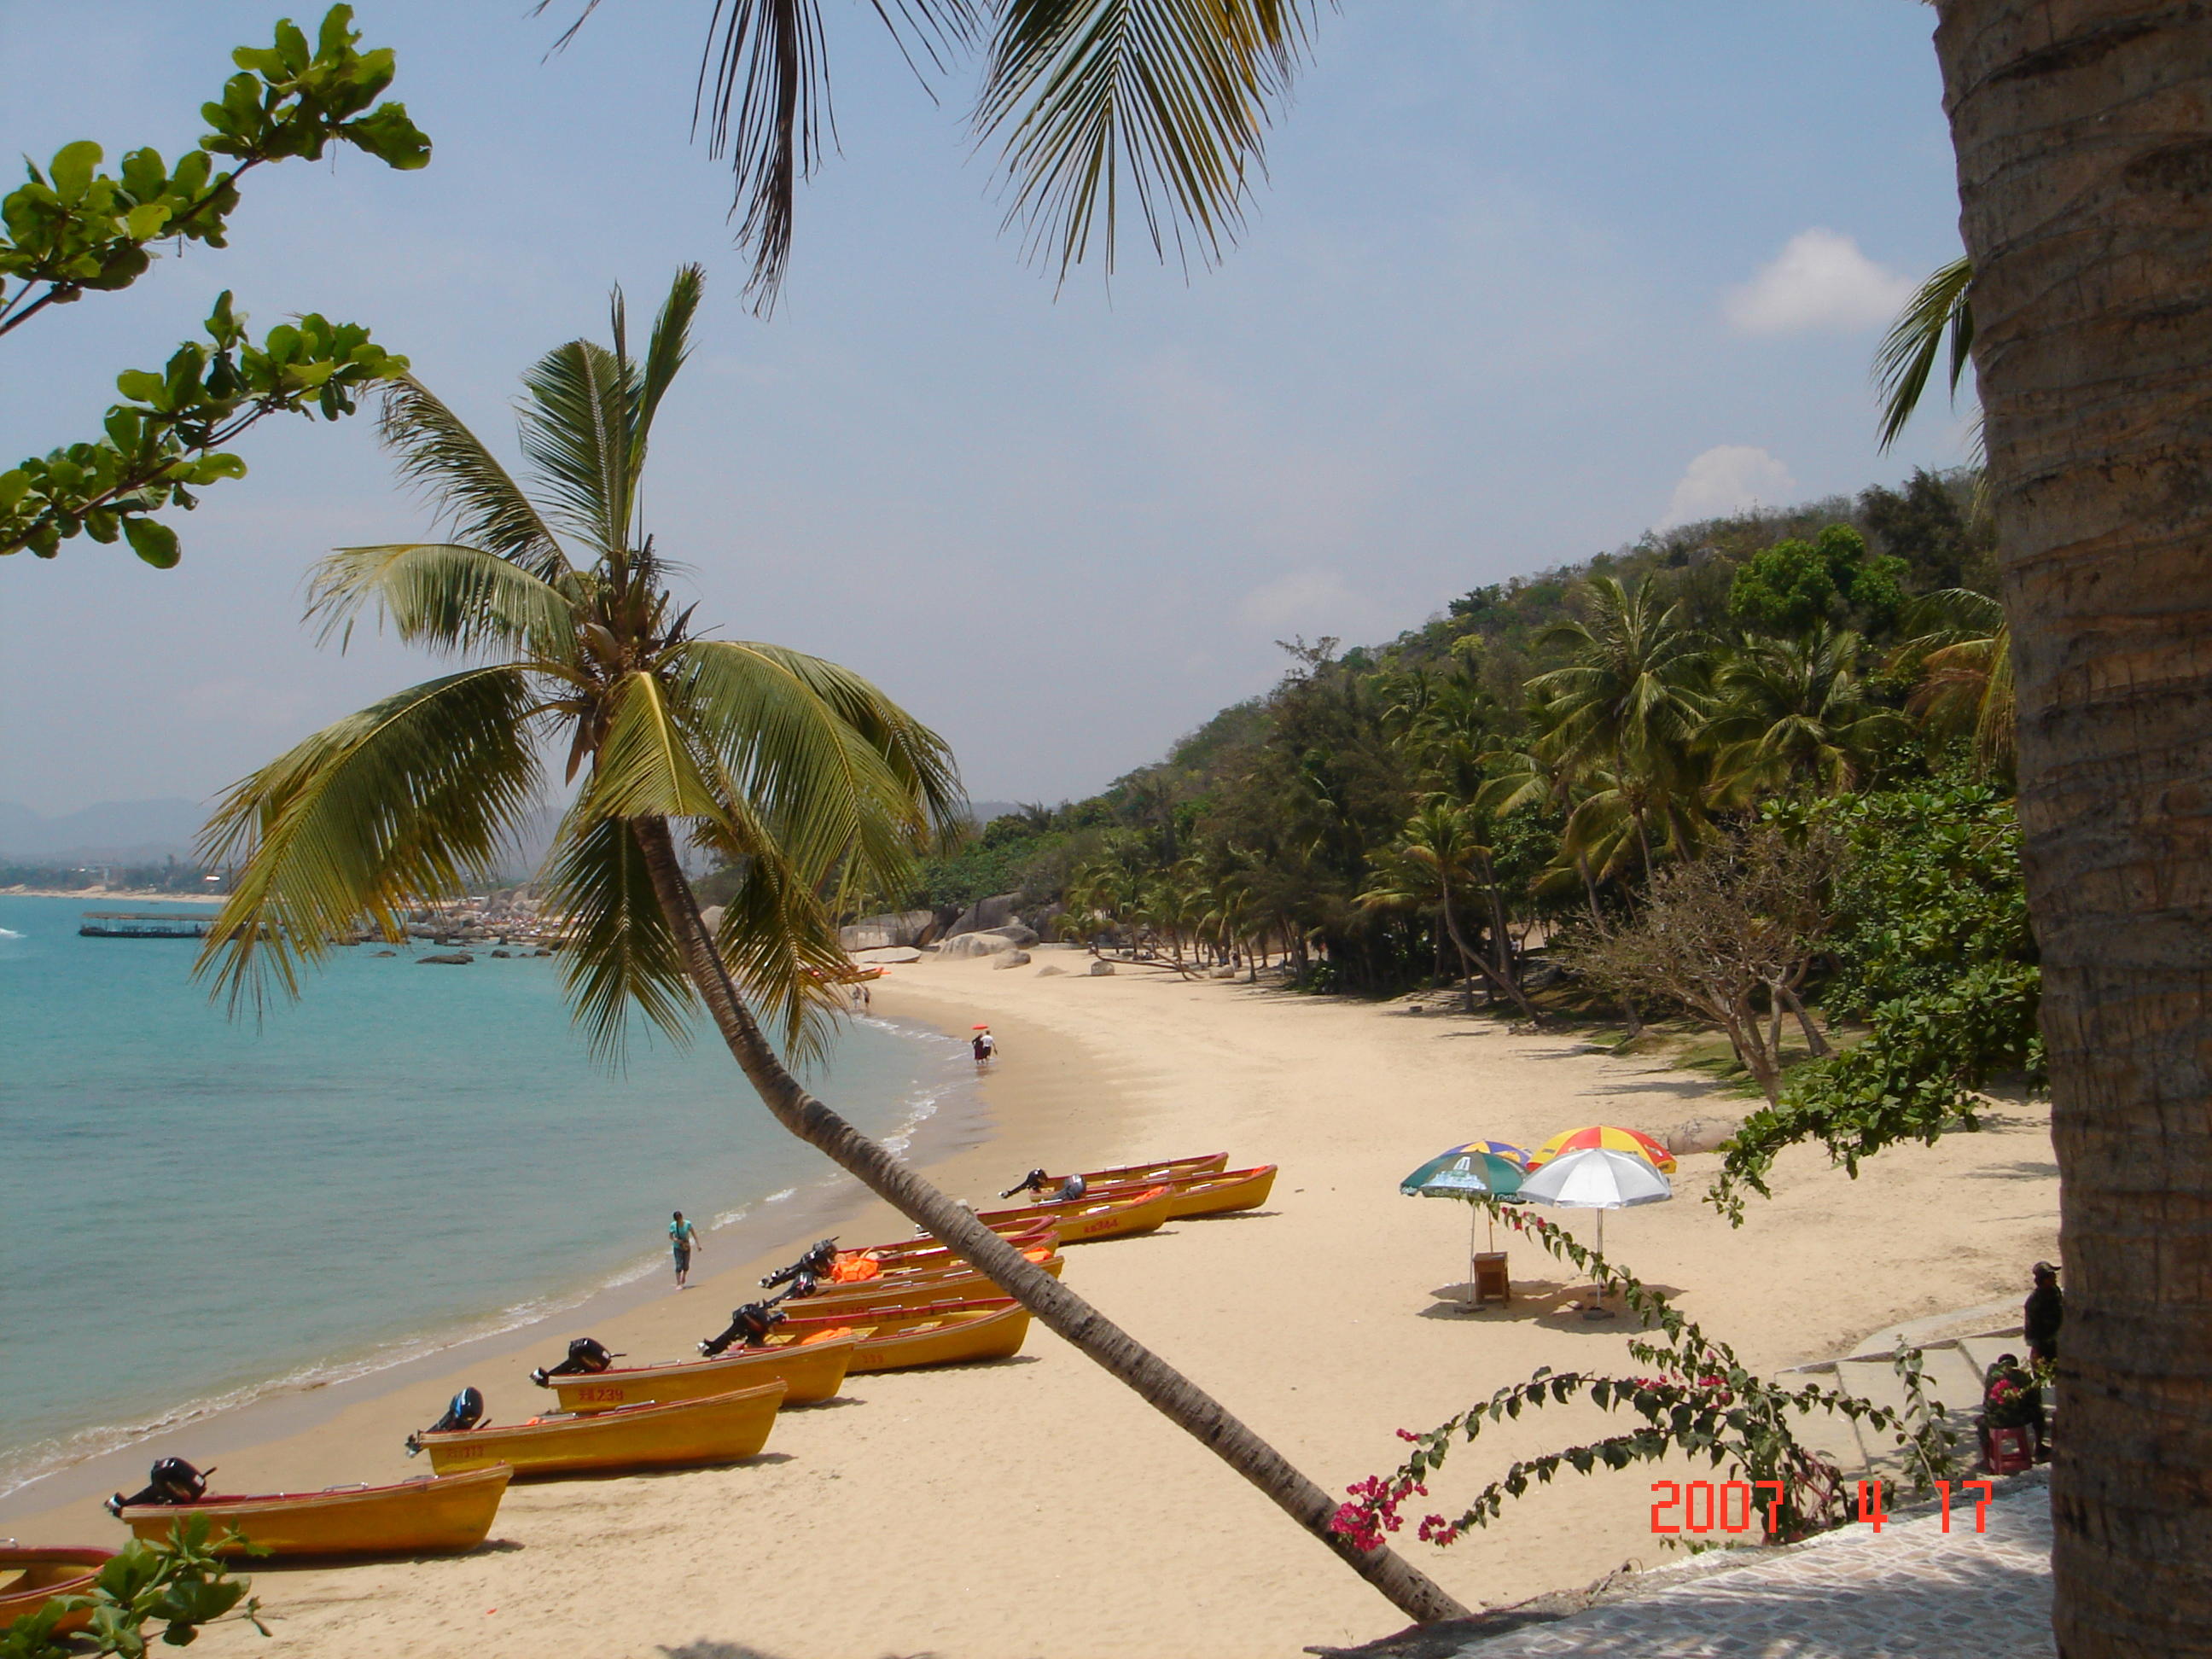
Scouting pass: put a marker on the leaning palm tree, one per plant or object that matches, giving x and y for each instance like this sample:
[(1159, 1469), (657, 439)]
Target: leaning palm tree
[(804, 777), (1436, 857)]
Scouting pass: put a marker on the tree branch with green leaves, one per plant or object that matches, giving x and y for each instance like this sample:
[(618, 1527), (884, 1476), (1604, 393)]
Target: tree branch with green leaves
[(74, 229)]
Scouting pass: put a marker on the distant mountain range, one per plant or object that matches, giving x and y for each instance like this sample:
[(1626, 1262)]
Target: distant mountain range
[(132, 831), (148, 831)]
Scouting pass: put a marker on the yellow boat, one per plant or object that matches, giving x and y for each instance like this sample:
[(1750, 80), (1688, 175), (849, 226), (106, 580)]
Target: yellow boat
[(962, 1284), (29, 1579), (721, 1428), (925, 1252), (944, 1334), (1166, 1168), (414, 1517), (809, 1372), (1087, 1219), (1217, 1194)]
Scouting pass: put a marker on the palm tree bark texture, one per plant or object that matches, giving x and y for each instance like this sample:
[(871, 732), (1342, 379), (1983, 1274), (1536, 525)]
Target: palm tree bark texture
[(2083, 132), (1182, 1402)]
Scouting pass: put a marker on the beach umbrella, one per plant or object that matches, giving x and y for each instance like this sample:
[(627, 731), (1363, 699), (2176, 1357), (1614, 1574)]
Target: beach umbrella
[(1604, 1135), (1461, 1173), (1598, 1178)]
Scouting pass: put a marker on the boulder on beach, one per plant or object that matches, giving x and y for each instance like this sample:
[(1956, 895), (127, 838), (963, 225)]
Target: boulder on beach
[(893, 930), (975, 944), (889, 955), (1050, 968), (984, 915), (1101, 967), (452, 959), (1022, 937), (1701, 1134), (712, 916), (1012, 959)]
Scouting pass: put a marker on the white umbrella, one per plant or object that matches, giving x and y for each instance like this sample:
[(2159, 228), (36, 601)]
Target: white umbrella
[(1598, 1178)]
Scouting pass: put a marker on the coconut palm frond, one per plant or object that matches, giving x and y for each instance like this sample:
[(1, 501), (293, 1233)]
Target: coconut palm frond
[(827, 795), (620, 953), (1941, 306), (645, 766), (444, 596), (1164, 101), (393, 806), (475, 497), (577, 431), (664, 355)]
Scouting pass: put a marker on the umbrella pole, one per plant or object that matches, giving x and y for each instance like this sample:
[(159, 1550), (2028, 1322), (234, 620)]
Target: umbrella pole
[(1470, 1257)]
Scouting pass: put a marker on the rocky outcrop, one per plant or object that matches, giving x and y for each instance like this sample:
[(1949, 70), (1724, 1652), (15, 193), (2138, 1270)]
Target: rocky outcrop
[(1022, 937), (984, 915), (451, 958), (888, 955), (1701, 1134), (893, 930), (1012, 959), (974, 944)]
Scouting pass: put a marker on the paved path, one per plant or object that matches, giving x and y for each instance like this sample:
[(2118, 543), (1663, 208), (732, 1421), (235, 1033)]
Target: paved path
[(1908, 1592)]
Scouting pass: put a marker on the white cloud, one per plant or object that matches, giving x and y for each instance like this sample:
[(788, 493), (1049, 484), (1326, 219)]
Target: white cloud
[(1725, 479), (1317, 599), (1818, 281)]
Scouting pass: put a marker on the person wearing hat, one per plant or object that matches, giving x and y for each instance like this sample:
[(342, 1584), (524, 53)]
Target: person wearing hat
[(2044, 1312)]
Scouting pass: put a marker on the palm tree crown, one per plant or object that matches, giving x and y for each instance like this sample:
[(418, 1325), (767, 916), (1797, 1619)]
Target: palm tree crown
[(804, 777)]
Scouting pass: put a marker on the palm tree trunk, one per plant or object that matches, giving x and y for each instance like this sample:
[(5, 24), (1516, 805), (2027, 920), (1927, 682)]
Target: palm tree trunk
[(1816, 1041), (2082, 155), (1408, 1590)]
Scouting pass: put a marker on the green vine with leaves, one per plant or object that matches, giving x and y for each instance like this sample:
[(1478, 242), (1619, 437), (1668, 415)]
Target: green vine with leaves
[(1701, 1401)]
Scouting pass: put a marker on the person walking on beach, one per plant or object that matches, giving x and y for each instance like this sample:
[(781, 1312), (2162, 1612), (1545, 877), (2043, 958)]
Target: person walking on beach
[(984, 1045), (683, 1239)]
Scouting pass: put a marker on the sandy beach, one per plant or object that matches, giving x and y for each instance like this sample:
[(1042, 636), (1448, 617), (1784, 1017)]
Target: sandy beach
[(1034, 1507)]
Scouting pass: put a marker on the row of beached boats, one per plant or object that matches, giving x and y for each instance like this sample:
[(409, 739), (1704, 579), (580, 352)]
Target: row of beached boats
[(898, 1306)]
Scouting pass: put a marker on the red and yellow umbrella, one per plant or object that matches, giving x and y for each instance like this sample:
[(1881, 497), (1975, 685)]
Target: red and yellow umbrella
[(1604, 1135)]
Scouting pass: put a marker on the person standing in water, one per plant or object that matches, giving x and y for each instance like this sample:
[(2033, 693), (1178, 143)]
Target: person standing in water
[(984, 1045), (683, 1239)]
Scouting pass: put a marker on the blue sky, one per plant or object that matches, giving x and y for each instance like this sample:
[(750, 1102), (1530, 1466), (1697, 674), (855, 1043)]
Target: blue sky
[(1526, 278)]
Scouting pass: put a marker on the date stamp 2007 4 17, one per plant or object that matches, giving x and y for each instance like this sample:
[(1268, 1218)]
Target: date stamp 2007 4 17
[(1730, 1505)]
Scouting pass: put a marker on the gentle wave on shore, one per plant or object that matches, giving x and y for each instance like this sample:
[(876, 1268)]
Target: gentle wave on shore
[(197, 1213)]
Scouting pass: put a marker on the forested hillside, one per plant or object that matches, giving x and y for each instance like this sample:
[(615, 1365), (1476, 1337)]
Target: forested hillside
[(1756, 769)]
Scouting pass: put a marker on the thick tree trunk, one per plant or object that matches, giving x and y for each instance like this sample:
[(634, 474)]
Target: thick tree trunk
[(1408, 1590), (1816, 1041), (2083, 130)]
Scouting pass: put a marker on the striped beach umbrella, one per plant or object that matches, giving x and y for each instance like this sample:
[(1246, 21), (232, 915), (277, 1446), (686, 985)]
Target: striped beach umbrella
[(1598, 1178), (1607, 1135), (1463, 1172)]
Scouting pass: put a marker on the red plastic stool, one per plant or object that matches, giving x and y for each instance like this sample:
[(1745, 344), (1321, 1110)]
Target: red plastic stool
[(2007, 1451)]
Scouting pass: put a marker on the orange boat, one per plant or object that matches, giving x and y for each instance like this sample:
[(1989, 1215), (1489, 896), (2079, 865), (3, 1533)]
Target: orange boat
[(1218, 1193), (942, 1334), (29, 1579), (1166, 1168), (1089, 1219), (957, 1283), (429, 1514), (926, 1250), (809, 1372), (722, 1428)]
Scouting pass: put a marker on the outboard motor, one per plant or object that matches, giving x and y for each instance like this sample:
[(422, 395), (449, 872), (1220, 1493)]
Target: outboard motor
[(172, 1480), (1037, 1181), (821, 1256), (749, 1327), (464, 1412), (587, 1356)]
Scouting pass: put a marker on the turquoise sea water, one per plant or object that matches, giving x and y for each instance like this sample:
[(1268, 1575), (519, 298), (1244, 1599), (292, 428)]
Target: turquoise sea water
[(193, 1209)]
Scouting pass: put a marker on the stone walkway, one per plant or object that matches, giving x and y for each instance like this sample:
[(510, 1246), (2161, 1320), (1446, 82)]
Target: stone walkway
[(1909, 1592)]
